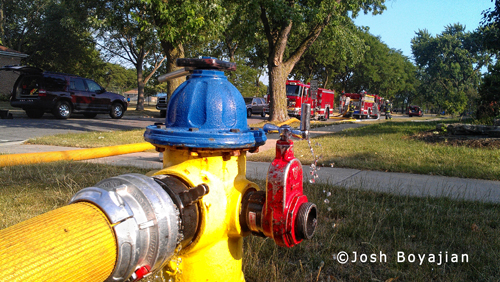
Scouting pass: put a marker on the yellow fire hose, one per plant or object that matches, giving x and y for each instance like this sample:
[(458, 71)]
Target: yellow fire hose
[(73, 155), (72, 243)]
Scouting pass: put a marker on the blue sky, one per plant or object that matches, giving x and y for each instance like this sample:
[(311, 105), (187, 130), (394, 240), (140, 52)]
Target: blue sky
[(397, 25)]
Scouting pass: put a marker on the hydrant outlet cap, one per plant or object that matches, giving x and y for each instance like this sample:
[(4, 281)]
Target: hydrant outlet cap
[(206, 111)]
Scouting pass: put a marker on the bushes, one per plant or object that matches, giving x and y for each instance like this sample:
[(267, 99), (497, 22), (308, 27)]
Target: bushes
[(489, 95)]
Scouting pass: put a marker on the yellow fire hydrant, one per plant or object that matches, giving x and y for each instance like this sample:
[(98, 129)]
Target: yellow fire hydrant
[(187, 220), (204, 142)]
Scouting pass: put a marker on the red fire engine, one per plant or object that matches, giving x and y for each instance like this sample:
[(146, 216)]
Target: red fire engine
[(360, 105), (298, 93)]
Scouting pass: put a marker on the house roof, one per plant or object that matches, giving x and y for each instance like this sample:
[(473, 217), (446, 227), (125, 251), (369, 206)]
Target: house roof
[(132, 92), (7, 52)]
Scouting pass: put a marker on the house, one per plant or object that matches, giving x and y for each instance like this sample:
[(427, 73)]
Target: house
[(7, 78), (134, 93)]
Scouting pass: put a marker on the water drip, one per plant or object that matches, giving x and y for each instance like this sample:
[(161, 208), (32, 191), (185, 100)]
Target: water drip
[(314, 166)]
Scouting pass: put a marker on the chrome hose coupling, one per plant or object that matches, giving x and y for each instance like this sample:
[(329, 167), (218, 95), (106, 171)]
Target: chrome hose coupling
[(145, 219)]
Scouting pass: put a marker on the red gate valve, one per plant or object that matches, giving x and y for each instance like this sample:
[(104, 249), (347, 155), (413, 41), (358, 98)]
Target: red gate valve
[(282, 212)]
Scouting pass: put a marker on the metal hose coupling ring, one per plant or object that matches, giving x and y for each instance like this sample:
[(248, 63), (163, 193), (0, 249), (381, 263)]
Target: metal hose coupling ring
[(145, 220)]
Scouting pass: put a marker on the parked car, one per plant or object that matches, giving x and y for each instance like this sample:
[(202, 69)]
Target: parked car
[(256, 105), (414, 111), (161, 104), (38, 92)]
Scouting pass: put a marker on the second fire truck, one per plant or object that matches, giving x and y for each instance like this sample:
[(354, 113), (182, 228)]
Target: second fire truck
[(360, 105), (298, 93)]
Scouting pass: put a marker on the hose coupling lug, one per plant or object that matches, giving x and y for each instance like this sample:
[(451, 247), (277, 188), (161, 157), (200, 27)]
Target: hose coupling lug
[(186, 200), (194, 194)]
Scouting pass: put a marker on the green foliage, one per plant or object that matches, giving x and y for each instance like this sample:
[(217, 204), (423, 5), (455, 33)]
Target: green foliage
[(290, 28), (128, 37), (54, 33), (246, 79), (333, 56), (116, 78), (490, 28), (180, 22), (383, 71), (489, 94), (348, 58), (449, 66)]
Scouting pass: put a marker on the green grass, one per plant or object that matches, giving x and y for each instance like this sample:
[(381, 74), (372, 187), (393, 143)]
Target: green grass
[(389, 147), (149, 110), (92, 139), (369, 223), (27, 191), (352, 221)]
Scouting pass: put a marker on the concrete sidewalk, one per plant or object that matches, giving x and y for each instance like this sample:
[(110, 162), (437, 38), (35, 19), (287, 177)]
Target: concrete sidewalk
[(389, 182)]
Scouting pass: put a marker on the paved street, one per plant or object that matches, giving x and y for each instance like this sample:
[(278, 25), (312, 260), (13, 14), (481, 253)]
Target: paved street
[(23, 128)]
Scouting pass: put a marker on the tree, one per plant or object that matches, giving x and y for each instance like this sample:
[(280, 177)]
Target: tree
[(489, 90), (244, 79), (490, 28), (381, 70), (408, 85), (116, 78), (124, 38), (239, 43), (55, 34), (20, 19), (489, 94), (450, 65), (180, 22), (332, 57), (290, 28)]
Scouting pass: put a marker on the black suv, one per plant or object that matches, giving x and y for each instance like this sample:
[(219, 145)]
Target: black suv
[(38, 92)]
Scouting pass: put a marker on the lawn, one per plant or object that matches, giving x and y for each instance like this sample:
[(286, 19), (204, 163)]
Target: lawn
[(384, 146), (390, 146), (93, 139), (352, 221)]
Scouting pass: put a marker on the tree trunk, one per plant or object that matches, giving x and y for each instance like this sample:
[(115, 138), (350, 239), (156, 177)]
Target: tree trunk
[(277, 85), (327, 79), (173, 52), (140, 82), (2, 35), (279, 69)]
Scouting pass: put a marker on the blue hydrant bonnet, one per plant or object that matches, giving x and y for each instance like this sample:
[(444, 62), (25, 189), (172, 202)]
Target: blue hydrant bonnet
[(206, 111)]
